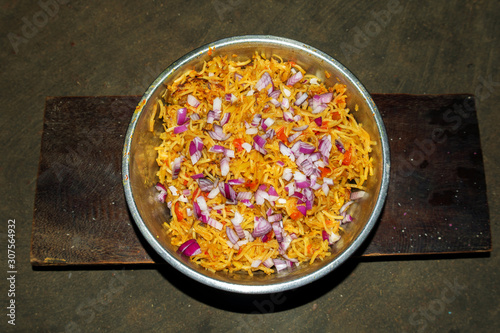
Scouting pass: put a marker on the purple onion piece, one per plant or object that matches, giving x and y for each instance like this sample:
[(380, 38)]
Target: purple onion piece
[(181, 116), (294, 78), (264, 81)]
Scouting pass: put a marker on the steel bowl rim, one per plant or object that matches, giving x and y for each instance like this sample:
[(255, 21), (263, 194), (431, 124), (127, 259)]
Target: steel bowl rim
[(272, 287)]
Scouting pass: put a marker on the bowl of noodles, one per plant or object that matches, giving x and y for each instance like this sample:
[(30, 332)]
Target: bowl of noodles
[(256, 164)]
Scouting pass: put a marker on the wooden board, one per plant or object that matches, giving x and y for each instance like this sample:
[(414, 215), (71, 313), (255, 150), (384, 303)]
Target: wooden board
[(436, 202)]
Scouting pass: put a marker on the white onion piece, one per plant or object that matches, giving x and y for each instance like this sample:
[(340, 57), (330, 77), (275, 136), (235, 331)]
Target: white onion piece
[(202, 203), (193, 101), (252, 130), (285, 103), (247, 146), (301, 128), (357, 195), (345, 205), (173, 190), (287, 92), (256, 263), (224, 166), (217, 105), (329, 181), (325, 188)]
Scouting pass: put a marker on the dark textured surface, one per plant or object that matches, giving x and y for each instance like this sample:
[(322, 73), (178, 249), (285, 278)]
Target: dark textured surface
[(119, 47), (81, 216)]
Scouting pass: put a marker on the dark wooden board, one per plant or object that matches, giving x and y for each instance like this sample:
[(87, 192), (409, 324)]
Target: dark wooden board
[(436, 203)]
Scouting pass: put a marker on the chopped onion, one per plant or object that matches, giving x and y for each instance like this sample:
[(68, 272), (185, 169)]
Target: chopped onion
[(260, 196), (287, 116), (301, 98), (229, 153), (280, 264), (294, 78), (210, 117), (287, 174), (256, 263), (247, 146), (218, 133), (244, 196), (284, 149), (259, 148), (206, 185), (180, 129), (329, 181), (268, 262), (357, 195), (197, 176), (278, 230), (256, 120), (345, 205), (173, 190), (340, 146), (347, 218), (252, 130), (318, 108), (247, 203), (319, 121), (275, 218), (238, 181), (324, 98), (275, 94), (217, 104), (285, 103), (215, 191), (224, 166), (181, 116), (193, 101), (231, 235), (195, 116), (190, 248), (270, 133), (176, 167), (331, 237), (261, 227), (259, 140), (195, 148), (162, 192), (301, 128), (267, 123), (306, 148), (292, 137), (287, 92), (325, 145), (214, 223), (264, 81), (325, 188), (200, 200), (302, 209), (225, 118), (217, 149)]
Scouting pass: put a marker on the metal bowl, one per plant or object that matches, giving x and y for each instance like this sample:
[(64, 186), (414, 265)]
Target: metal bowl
[(139, 165)]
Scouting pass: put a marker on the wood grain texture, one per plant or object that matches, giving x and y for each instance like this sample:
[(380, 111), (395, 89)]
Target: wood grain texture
[(436, 202)]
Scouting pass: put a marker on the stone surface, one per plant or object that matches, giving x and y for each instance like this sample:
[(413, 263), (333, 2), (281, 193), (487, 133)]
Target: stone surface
[(78, 48)]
